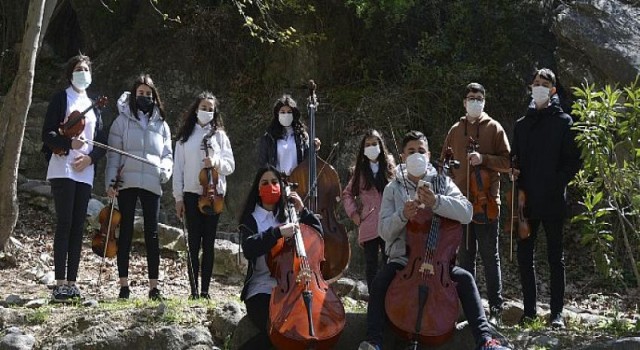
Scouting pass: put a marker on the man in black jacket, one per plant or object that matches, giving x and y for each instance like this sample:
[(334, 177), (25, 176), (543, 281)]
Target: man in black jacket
[(548, 158)]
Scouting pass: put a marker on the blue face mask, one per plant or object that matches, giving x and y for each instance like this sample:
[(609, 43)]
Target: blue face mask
[(144, 103)]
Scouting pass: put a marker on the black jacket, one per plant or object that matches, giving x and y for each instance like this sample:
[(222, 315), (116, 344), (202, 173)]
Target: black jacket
[(56, 112), (268, 153), (256, 244), (548, 158)]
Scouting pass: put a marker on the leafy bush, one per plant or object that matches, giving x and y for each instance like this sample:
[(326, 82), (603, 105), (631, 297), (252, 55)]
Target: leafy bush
[(609, 140)]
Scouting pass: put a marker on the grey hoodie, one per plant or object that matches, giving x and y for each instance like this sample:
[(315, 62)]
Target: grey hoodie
[(392, 222), (152, 143)]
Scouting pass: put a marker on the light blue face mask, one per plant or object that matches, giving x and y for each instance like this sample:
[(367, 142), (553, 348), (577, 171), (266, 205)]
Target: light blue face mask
[(81, 80)]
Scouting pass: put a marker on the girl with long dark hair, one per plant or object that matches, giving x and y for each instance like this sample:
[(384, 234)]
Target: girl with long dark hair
[(202, 127)]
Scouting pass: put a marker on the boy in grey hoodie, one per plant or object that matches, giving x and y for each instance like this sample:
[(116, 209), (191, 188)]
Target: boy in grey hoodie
[(401, 204)]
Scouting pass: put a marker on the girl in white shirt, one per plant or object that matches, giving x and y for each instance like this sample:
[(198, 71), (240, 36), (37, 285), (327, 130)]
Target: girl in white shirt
[(71, 172), (202, 127)]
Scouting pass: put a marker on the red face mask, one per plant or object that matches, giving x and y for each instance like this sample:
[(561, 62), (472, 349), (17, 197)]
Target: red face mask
[(270, 193)]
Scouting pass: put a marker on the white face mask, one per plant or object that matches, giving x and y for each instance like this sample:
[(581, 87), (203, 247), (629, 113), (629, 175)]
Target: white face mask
[(474, 110), (81, 80), (540, 94), (372, 152), (417, 164), (285, 119), (205, 117)]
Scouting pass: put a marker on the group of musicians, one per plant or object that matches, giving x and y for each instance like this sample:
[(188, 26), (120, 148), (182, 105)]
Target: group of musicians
[(388, 202)]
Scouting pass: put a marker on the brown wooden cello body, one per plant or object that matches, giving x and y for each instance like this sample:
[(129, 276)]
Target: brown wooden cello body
[(422, 302), (336, 241), (304, 311)]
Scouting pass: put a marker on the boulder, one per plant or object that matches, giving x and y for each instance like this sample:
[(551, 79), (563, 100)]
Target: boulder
[(597, 40)]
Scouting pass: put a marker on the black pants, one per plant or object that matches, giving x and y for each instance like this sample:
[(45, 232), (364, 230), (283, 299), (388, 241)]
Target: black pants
[(202, 234), (467, 292), (70, 199), (127, 200), (483, 239), (372, 248), (258, 312), (526, 249)]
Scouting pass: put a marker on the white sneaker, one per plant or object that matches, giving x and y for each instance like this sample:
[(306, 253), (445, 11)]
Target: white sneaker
[(365, 345)]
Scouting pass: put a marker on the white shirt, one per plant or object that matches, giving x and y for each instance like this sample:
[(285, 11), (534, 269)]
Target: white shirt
[(189, 160), (287, 152), (261, 281), (60, 166), (374, 168)]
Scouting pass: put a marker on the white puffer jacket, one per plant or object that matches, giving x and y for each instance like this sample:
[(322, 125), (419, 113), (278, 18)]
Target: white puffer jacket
[(152, 142)]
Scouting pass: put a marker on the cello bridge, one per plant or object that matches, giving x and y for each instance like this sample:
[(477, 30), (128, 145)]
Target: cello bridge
[(427, 267)]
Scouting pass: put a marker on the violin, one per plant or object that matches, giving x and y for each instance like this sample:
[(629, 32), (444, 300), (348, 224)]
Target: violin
[(210, 202), (320, 184), (74, 124), (517, 214), (104, 242), (304, 311), (422, 301), (485, 207)]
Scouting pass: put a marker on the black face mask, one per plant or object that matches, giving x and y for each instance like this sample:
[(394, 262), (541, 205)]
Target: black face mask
[(144, 103)]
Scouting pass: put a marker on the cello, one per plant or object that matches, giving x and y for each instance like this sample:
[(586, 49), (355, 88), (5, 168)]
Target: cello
[(422, 301), (304, 311), (320, 188)]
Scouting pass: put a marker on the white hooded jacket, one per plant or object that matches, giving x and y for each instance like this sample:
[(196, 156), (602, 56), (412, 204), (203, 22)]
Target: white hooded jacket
[(151, 141), (392, 222)]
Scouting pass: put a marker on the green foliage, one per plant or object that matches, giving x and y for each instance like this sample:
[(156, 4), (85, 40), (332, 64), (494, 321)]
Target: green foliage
[(618, 326), (38, 316), (609, 141)]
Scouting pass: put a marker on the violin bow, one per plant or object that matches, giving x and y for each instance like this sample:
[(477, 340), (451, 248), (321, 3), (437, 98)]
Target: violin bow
[(185, 233), (395, 145)]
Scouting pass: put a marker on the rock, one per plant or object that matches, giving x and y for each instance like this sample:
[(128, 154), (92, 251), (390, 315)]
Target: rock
[(48, 278), (14, 300), (343, 286), (225, 318), (229, 261), (90, 303), (36, 303), (15, 339), (544, 341), (93, 209), (10, 317), (618, 344), (354, 333), (361, 292), (597, 40)]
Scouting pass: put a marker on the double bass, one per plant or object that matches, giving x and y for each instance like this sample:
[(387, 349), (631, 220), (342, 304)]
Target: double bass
[(319, 183), (422, 301), (304, 311)]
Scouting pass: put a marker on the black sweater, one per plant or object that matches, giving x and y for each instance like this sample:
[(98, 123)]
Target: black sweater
[(548, 158)]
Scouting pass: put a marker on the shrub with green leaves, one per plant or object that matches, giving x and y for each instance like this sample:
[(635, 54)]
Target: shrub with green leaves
[(609, 140)]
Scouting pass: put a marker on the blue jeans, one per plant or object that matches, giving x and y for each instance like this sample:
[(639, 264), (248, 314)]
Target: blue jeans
[(555, 255), (483, 239), (467, 292)]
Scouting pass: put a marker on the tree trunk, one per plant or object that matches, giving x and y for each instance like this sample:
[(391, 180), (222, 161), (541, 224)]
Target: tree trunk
[(14, 110)]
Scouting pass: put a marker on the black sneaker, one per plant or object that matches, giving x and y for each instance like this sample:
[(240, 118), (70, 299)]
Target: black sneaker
[(205, 296), (155, 294), (193, 297), (74, 292), (124, 292), (557, 321), (60, 293)]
